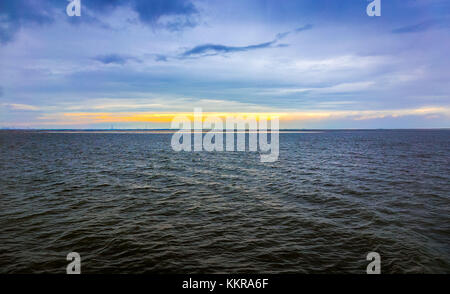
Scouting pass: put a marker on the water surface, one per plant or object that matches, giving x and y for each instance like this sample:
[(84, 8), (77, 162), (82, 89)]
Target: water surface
[(129, 204)]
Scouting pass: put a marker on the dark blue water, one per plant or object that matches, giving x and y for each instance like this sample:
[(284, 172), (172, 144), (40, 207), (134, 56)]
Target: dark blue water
[(127, 203)]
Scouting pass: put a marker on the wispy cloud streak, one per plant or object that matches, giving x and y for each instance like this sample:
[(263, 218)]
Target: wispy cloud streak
[(214, 49), (115, 59), (420, 27)]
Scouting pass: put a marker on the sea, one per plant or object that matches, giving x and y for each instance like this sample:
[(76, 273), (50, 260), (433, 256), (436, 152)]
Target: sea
[(127, 203)]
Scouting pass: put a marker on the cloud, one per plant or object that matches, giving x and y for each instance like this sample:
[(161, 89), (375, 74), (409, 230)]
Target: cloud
[(297, 30), (280, 36), (178, 23), (15, 14), (160, 57), (16, 106), (214, 49), (339, 88), (304, 28), (115, 59), (88, 17), (420, 27), (151, 11), (173, 15)]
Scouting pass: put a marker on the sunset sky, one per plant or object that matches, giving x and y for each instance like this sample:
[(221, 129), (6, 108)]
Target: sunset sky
[(136, 64)]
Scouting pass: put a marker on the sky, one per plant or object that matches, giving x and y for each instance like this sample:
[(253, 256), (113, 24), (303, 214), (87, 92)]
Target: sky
[(136, 64)]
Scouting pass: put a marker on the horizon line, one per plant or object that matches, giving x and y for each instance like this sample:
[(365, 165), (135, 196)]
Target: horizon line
[(174, 130)]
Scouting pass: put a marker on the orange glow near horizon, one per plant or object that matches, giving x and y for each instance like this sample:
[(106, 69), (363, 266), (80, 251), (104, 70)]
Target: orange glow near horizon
[(85, 118), (104, 117)]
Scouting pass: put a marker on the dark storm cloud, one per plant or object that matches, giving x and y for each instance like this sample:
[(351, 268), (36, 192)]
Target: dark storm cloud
[(15, 14), (151, 11)]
